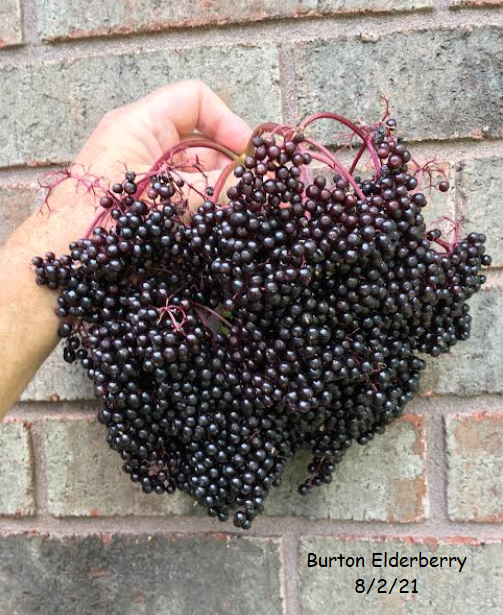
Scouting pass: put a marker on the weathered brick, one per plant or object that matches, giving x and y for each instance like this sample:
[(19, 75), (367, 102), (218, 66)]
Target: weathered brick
[(476, 590), (16, 204), (479, 182), (428, 101), (75, 446), (57, 380), (85, 476), (135, 575), (440, 204), (11, 29), (85, 479), (475, 461), (77, 18), (382, 481), (474, 366), (56, 105), (16, 473)]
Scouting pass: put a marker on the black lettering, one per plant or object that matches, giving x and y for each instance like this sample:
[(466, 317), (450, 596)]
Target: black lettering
[(311, 560), (376, 559), (422, 559), (393, 561)]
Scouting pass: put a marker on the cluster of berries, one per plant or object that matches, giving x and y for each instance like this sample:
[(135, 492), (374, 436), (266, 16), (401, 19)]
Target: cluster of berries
[(289, 315)]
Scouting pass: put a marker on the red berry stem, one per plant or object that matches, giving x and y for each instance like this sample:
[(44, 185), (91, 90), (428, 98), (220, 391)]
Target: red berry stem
[(216, 314), (444, 244), (181, 147), (366, 138), (329, 159), (357, 158), (222, 178), (97, 220), (272, 127), (167, 156)]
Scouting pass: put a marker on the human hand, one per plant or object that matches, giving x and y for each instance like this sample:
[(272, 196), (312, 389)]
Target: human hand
[(135, 137)]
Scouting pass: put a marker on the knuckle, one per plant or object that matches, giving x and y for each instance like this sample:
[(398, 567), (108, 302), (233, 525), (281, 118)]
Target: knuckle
[(198, 84), (110, 116)]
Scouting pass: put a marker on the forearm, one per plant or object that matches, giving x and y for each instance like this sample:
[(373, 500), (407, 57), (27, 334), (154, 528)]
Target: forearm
[(28, 324)]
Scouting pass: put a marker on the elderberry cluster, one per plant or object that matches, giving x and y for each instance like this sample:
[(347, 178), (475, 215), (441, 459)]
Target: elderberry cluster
[(289, 317)]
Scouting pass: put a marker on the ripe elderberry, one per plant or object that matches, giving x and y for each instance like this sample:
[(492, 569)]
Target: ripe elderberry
[(290, 315)]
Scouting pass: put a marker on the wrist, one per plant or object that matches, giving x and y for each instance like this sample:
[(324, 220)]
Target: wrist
[(62, 220)]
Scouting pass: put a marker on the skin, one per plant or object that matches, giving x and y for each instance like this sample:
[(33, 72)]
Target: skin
[(136, 136)]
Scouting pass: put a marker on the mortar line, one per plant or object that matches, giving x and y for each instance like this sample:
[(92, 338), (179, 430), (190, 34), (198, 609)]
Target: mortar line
[(447, 149), (40, 469), (27, 174), (296, 30), (455, 151), (290, 574), (428, 405), (450, 201), (460, 202), (437, 470), (444, 405), (494, 278), (33, 412), (266, 527), (472, 8), (288, 84)]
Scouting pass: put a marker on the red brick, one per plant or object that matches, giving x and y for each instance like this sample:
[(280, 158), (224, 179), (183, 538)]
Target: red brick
[(56, 380), (390, 471), (474, 591), (52, 129), (85, 477), (11, 31), (16, 469), (62, 19), (475, 467), (138, 574), (479, 183), (472, 367), (431, 96)]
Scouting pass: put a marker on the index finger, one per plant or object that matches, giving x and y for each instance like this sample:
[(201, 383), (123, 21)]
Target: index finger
[(186, 106)]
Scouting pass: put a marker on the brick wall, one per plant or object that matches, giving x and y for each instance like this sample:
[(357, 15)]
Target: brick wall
[(75, 536)]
